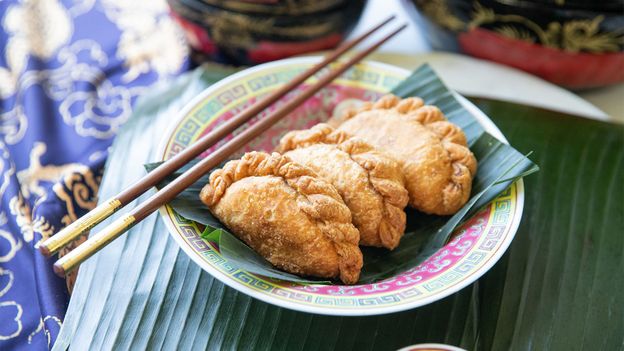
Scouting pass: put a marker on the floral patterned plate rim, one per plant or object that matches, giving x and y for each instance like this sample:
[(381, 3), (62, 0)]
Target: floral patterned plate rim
[(477, 246), (431, 347)]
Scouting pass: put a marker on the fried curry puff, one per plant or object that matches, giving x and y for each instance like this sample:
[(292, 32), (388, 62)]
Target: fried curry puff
[(370, 183), (436, 162), (287, 214)]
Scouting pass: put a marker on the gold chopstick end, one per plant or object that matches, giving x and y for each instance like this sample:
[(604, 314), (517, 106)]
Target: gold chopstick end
[(59, 270), (81, 225), (43, 249), (96, 242)]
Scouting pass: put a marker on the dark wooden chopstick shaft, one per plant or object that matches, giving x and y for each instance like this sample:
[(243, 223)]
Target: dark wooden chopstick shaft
[(107, 208), (169, 192), (201, 145), (189, 177)]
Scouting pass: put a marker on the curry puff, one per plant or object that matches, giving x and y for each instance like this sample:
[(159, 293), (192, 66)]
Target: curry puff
[(370, 183), (287, 214), (437, 164)]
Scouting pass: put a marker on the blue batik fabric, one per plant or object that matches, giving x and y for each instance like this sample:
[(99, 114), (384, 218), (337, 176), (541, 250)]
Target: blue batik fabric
[(70, 72)]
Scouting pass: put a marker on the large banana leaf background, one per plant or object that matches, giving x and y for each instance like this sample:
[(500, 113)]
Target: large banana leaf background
[(559, 286)]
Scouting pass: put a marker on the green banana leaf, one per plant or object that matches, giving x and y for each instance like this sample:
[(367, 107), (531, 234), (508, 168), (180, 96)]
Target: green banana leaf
[(499, 166), (237, 253), (557, 288)]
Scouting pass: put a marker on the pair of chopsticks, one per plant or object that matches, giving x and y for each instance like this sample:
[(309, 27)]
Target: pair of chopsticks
[(169, 192)]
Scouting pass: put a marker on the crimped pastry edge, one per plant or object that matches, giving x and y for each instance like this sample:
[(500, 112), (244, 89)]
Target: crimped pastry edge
[(377, 165), (326, 207), (431, 117)]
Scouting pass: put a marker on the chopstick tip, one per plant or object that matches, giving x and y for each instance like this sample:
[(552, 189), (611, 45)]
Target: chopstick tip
[(59, 270), (384, 22), (43, 249), (397, 31)]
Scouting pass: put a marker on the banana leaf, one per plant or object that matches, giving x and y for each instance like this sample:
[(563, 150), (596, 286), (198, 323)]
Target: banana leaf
[(245, 258), (556, 288), (499, 166)]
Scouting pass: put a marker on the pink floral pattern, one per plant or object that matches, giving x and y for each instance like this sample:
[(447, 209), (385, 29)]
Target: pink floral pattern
[(464, 239)]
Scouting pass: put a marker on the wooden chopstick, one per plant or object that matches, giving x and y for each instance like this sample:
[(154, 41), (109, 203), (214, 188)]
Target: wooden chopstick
[(110, 206), (169, 192)]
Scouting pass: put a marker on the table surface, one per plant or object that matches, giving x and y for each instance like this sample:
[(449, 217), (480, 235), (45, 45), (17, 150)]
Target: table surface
[(554, 289), (412, 43)]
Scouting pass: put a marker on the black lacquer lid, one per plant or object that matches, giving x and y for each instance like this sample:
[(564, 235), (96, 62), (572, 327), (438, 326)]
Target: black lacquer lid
[(592, 5)]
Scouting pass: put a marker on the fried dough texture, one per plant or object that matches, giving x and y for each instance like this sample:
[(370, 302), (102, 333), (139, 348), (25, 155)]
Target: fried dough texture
[(437, 164), (287, 214), (370, 183)]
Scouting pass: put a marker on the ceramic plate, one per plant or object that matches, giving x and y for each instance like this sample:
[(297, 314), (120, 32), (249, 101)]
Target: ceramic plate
[(479, 243), (431, 347)]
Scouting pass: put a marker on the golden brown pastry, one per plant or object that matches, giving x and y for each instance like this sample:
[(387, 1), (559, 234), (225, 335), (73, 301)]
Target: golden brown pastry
[(370, 183), (437, 164), (282, 210)]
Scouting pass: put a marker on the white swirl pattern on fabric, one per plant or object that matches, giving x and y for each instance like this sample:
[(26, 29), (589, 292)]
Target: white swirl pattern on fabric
[(70, 72)]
